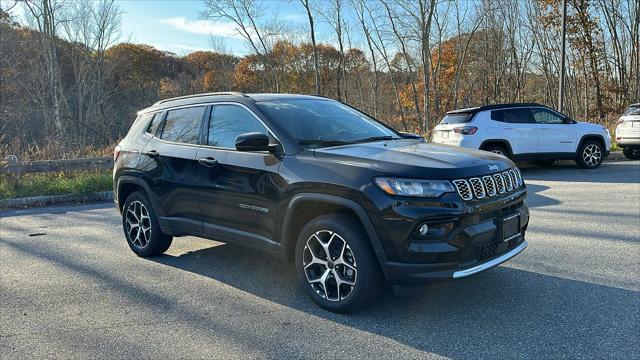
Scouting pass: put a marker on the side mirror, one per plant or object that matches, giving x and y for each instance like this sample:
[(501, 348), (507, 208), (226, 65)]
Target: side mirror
[(253, 141), (406, 135), (568, 120)]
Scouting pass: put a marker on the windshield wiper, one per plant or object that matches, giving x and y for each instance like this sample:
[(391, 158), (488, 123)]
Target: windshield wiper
[(375, 138), (323, 142)]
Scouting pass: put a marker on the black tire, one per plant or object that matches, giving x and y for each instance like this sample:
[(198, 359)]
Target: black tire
[(497, 149), (586, 157), (544, 163), (155, 242), (365, 274), (632, 153)]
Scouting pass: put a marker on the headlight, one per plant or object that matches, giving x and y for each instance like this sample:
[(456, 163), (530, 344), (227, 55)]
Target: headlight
[(413, 187)]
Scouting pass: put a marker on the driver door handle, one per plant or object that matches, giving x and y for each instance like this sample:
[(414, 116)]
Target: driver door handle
[(208, 162)]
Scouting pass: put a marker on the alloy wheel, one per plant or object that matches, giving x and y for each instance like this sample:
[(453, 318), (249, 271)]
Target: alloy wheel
[(592, 155), (138, 224), (329, 265)]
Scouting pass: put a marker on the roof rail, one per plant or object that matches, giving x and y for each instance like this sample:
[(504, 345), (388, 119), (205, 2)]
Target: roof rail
[(234, 93)]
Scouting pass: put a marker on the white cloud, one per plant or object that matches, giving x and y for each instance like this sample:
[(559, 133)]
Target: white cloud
[(202, 27)]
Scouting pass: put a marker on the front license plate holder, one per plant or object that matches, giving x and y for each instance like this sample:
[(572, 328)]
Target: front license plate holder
[(511, 227)]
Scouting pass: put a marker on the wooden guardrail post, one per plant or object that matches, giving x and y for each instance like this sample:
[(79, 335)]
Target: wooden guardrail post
[(11, 179)]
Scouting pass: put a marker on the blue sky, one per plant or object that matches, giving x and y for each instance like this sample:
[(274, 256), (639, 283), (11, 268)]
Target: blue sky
[(177, 26)]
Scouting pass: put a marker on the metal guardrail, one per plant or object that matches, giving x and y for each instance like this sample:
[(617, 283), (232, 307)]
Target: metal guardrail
[(11, 166)]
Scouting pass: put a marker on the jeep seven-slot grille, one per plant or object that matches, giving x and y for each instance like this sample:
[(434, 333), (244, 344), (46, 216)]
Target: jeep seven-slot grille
[(489, 185)]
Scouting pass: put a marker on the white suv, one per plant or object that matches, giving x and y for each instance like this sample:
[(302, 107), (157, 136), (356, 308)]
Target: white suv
[(628, 132), (525, 132)]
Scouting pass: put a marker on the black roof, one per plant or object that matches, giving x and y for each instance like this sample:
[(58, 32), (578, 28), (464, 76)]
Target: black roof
[(222, 96), (493, 107)]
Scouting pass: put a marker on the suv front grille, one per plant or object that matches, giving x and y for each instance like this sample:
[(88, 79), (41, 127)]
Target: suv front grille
[(463, 189), (489, 185), (478, 188)]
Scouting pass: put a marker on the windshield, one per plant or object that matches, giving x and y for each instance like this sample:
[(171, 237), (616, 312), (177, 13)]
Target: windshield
[(324, 122), (633, 110), (457, 118)]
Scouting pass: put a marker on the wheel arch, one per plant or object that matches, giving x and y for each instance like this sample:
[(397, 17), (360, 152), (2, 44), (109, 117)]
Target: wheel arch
[(306, 206), (128, 184), (501, 142), (587, 137)]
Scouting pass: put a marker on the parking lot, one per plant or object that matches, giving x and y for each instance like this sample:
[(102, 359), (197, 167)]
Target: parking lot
[(71, 288)]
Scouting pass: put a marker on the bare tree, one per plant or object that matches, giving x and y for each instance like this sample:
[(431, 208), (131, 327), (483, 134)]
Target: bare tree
[(45, 15), (312, 32), (248, 16)]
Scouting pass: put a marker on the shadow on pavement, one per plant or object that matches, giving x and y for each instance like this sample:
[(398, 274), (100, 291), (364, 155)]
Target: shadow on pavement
[(535, 199), (503, 311)]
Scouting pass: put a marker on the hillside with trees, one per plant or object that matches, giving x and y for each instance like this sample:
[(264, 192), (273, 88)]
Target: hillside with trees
[(68, 86)]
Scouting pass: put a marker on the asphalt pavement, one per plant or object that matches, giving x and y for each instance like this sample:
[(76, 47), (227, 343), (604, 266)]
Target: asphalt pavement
[(71, 288)]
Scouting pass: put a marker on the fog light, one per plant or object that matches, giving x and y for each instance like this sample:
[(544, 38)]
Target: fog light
[(424, 229)]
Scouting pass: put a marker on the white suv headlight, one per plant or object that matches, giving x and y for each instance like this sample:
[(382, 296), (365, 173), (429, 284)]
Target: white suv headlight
[(414, 187)]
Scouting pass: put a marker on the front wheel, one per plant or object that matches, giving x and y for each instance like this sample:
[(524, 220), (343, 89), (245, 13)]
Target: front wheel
[(590, 155), (336, 265), (632, 153)]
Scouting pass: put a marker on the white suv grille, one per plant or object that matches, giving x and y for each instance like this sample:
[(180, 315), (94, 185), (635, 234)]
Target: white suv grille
[(489, 185)]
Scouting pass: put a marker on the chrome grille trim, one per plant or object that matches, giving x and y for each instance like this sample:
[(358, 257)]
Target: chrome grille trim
[(478, 188), (490, 185), (514, 179), (507, 181), (519, 176), (463, 189), (499, 183)]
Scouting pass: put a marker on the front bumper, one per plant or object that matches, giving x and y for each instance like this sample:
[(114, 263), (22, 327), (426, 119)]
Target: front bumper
[(628, 141), (491, 263), (475, 242)]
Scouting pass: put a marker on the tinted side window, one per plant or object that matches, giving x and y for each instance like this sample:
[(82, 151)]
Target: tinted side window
[(229, 121), (544, 116), (513, 116), (182, 125)]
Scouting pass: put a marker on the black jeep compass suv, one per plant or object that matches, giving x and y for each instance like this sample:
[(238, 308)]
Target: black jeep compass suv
[(351, 201)]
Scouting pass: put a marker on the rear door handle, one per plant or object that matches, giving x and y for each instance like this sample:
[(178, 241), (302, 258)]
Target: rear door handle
[(152, 153), (208, 162)]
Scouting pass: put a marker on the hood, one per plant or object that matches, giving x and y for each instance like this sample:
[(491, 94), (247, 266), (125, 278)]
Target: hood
[(597, 128), (415, 158)]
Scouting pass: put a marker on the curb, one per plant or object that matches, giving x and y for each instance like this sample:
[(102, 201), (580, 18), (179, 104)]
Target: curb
[(40, 201)]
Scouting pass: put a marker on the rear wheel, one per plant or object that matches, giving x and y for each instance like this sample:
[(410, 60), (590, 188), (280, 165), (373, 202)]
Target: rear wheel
[(336, 265), (141, 227), (590, 155), (632, 153), (497, 149)]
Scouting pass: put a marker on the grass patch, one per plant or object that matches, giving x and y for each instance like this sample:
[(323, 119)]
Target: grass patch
[(77, 182)]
